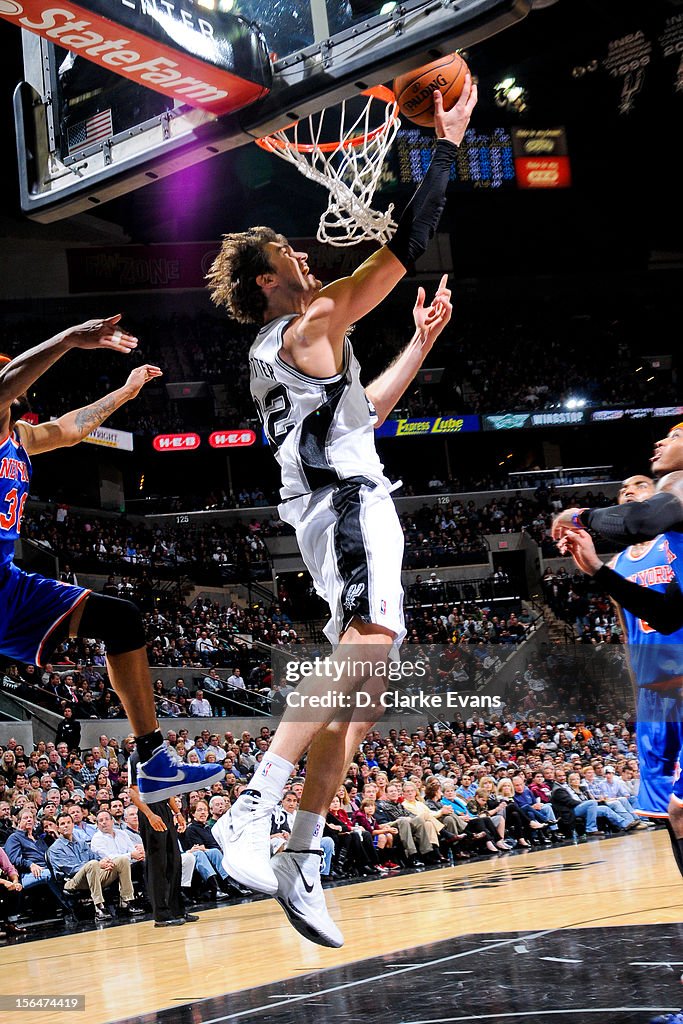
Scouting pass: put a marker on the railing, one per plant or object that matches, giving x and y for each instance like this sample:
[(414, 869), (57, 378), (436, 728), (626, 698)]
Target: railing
[(473, 591)]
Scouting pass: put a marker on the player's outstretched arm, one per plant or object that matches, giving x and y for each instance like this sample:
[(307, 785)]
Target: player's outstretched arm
[(345, 301), (24, 370), (385, 391), (662, 611), (634, 523), (72, 427)]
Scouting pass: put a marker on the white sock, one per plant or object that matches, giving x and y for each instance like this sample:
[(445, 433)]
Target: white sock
[(307, 831), (271, 777)]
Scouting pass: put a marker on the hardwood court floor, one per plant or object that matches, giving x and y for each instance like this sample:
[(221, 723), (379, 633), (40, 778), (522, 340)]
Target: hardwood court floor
[(136, 969)]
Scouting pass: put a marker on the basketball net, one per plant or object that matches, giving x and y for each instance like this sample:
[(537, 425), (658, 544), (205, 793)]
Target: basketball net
[(349, 168)]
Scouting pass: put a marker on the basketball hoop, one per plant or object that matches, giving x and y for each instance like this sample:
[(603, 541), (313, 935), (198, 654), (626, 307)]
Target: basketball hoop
[(349, 167)]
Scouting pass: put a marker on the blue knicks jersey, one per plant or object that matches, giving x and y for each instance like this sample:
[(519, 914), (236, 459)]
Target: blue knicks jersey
[(15, 478), (654, 657)]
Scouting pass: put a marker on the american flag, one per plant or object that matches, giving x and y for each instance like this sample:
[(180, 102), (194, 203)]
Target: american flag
[(85, 133)]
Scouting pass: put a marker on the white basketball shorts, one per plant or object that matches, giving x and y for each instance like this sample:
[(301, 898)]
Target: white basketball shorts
[(351, 542)]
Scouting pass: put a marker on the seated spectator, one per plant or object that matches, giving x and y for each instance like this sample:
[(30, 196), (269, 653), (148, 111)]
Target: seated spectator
[(83, 828), (27, 853), (534, 808), (282, 821), (602, 811), (478, 807), (617, 798), (111, 842), (199, 839), (199, 706), (10, 895), (352, 854), (411, 830), (517, 826), (77, 866), (6, 826)]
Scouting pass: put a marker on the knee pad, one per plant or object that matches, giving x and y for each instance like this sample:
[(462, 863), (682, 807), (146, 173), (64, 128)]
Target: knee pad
[(115, 621)]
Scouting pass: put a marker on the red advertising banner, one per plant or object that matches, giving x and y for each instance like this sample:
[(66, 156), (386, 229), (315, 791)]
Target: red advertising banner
[(180, 265), (176, 442), (232, 438), (543, 172), (204, 70)]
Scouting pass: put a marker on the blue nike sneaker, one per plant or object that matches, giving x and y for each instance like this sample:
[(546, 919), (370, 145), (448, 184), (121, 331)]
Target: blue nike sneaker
[(165, 775), (668, 1018)]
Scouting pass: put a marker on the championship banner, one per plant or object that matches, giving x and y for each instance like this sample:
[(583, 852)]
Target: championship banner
[(541, 157), (107, 437), (209, 59), (428, 427)]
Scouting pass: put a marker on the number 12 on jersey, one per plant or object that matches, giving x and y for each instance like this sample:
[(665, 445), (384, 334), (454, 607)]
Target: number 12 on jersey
[(274, 410)]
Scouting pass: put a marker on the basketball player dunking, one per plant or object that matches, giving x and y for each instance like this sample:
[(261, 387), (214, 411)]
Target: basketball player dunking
[(37, 613), (319, 420)]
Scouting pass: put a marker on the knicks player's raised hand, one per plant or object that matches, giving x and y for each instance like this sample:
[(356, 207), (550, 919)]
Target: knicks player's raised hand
[(582, 549), (452, 124), (431, 320), (100, 334), (140, 376)]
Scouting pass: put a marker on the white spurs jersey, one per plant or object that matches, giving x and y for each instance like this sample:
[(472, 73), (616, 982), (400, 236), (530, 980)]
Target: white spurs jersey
[(320, 430)]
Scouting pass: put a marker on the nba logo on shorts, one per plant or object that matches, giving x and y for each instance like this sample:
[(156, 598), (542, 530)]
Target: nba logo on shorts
[(383, 607)]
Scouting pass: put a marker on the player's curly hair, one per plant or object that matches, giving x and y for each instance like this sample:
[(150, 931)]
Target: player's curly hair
[(232, 277)]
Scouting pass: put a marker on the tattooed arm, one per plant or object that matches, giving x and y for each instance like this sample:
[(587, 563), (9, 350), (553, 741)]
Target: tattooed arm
[(74, 426)]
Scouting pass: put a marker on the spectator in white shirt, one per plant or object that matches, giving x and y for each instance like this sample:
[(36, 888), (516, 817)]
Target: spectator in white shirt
[(112, 842), (236, 679), (199, 706)]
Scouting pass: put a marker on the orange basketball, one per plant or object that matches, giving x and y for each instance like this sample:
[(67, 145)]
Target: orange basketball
[(414, 90)]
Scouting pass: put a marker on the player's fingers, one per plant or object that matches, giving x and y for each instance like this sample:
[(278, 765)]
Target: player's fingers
[(113, 319), (437, 99), (466, 91), (472, 100), (420, 301)]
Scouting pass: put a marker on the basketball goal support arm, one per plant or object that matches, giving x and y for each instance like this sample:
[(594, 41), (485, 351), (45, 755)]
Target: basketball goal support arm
[(421, 216)]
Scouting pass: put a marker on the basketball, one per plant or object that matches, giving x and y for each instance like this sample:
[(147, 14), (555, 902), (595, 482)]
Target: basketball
[(414, 90)]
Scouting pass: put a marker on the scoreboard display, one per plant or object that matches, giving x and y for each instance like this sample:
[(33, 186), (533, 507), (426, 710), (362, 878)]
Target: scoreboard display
[(485, 159), (502, 158)]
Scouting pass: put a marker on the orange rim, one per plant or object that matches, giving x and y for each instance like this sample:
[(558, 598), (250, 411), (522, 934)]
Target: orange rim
[(377, 92)]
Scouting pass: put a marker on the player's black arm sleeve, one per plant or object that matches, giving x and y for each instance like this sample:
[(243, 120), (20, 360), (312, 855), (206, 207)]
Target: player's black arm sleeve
[(638, 521), (421, 216), (662, 611)]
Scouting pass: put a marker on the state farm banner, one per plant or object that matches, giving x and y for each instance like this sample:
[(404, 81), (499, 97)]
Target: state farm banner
[(210, 59), (107, 437), (541, 157), (135, 268)]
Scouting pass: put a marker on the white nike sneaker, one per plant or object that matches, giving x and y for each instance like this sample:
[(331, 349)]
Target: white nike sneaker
[(243, 835), (300, 894)]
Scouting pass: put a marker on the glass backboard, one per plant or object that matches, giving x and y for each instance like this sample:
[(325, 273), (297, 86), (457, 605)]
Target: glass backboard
[(86, 134)]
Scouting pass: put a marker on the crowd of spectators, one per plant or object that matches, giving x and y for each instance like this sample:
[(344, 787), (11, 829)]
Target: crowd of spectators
[(445, 533), (500, 357), (439, 794), (216, 552)]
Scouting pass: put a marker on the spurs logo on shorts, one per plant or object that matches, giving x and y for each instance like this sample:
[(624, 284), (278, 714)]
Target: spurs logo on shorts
[(352, 594)]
